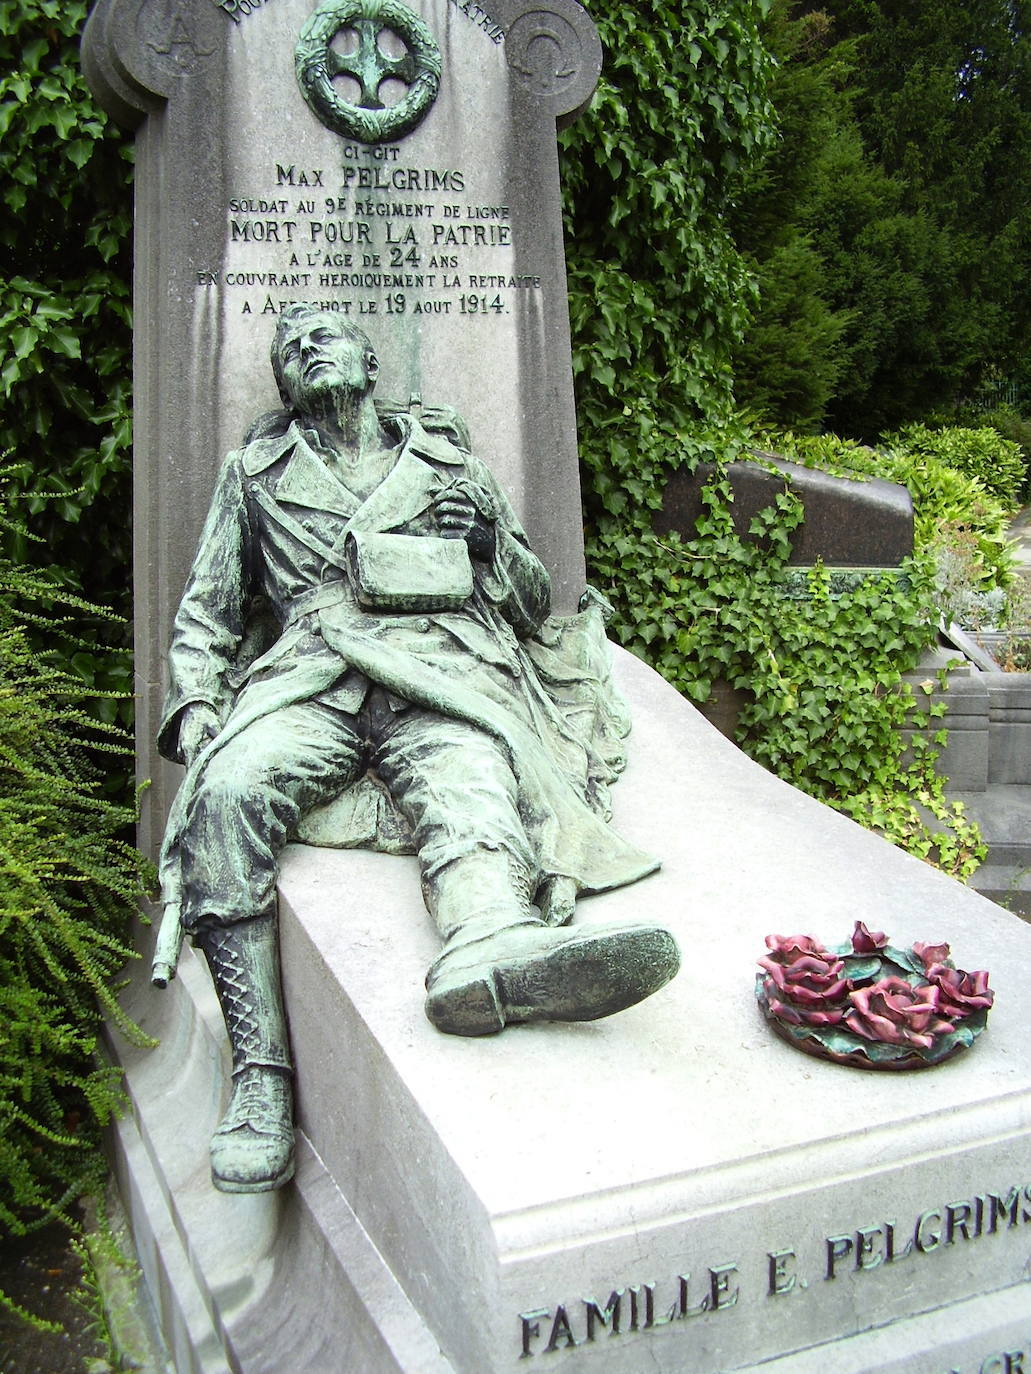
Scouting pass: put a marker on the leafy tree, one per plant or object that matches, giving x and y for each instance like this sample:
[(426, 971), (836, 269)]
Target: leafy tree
[(792, 354), (789, 362), (889, 227), (944, 107)]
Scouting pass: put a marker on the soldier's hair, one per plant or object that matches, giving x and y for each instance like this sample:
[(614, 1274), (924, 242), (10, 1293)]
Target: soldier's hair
[(300, 311)]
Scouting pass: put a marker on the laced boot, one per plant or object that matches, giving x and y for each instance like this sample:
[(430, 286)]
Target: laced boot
[(502, 966), (253, 1149)]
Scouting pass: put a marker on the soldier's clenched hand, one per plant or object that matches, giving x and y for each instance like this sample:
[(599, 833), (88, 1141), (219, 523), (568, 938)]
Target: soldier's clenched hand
[(198, 725), (459, 516)]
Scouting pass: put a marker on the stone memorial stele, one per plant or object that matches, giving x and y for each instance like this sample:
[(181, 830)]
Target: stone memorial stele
[(667, 1189)]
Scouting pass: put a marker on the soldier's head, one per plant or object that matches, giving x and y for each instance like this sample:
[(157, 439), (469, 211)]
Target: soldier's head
[(318, 353)]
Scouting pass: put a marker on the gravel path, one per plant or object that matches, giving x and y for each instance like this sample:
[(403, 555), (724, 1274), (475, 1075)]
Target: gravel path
[(41, 1272)]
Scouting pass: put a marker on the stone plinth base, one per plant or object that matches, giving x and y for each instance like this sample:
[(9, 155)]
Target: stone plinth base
[(672, 1189)]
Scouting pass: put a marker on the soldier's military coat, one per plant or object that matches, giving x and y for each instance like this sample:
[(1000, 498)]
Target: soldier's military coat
[(277, 530)]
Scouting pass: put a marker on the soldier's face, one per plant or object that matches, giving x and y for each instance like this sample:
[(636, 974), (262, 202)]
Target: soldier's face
[(318, 360)]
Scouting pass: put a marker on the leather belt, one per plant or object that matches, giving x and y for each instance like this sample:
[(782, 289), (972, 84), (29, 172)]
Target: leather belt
[(317, 599)]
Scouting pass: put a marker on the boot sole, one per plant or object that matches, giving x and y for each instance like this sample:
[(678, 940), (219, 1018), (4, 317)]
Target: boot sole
[(589, 976), (263, 1185)]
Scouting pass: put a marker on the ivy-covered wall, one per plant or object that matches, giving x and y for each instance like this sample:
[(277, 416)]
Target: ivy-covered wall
[(69, 879), (65, 334), (659, 299), (658, 294)]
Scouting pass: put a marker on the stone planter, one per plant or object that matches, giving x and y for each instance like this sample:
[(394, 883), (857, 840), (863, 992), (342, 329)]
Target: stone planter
[(1008, 701), (987, 759)]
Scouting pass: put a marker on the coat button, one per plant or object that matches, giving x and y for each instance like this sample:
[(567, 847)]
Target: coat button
[(422, 624)]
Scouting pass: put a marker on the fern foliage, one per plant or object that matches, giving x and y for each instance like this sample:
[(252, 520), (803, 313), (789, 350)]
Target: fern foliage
[(70, 883)]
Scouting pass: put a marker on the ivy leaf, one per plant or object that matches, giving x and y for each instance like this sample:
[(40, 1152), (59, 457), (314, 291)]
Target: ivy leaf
[(64, 340)]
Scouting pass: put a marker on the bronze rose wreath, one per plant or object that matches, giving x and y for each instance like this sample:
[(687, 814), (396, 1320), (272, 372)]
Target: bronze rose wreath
[(869, 1004)]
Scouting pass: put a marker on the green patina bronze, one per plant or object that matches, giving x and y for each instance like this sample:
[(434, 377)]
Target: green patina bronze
[(364, 657), (797, 583), (319, 65)]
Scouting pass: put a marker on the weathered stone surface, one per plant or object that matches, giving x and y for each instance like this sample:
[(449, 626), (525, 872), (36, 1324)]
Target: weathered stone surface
[(964, 758), (847, 524), (445, 1187), (1003, 814), (987, 765), (986, 760)]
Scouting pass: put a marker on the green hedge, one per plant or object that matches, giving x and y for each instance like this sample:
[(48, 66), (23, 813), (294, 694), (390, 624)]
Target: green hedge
[(997, 463)]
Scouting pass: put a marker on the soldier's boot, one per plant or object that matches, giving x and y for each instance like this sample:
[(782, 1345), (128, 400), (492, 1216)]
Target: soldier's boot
[(502, 965), (253, 1149)]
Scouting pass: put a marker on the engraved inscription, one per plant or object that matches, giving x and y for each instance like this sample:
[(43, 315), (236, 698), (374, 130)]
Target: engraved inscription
[(479, 16), (236, 8), (643, 1307), (633, 1308), (375, 235), (999, 1362)]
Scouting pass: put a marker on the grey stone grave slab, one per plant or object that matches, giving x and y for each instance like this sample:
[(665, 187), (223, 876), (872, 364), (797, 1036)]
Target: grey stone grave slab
[(672, 1189), (847, 523), (457, 1197)]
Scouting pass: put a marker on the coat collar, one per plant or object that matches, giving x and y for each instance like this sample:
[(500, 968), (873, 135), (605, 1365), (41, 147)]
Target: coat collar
[(412, 484), (407, 490), (262, 453), (308, 481), (435, 447)]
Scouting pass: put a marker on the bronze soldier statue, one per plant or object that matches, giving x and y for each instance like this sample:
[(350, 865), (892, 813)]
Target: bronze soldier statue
[(407, 605)]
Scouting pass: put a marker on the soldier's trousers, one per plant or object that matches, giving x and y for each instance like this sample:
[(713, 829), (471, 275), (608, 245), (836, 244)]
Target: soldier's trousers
[(451, 781)]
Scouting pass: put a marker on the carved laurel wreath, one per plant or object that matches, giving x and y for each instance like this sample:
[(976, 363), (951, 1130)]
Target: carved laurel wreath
[(317, 63)]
